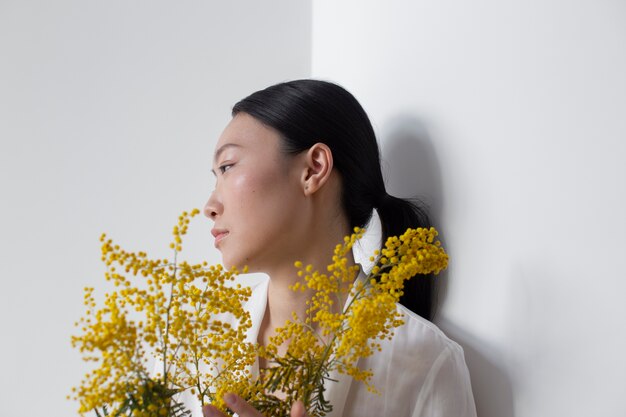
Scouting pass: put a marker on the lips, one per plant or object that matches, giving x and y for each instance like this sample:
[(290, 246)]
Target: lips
[(219, 234)]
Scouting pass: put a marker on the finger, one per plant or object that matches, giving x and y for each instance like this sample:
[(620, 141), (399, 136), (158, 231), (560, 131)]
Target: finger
[(240, 406), (212, 411), (297, 409)]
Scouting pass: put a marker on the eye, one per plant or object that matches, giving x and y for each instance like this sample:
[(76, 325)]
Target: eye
[(225, 168)]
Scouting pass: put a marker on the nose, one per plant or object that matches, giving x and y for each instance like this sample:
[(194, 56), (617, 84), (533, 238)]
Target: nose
[(213, 207)]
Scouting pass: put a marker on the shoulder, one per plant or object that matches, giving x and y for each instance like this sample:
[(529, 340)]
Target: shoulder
[(419, 351), (416, 348), (431, 367), (423, 335)]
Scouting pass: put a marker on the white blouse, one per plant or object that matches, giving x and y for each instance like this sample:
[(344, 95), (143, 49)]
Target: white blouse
[(419, 373)]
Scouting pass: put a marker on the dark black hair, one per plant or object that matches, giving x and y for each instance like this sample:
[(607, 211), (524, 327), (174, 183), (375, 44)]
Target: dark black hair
[(306, 112)]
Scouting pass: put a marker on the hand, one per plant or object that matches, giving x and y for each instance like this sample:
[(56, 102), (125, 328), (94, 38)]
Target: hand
[(241, 407)]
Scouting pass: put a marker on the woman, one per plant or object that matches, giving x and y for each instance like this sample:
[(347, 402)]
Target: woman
[(297, 169)]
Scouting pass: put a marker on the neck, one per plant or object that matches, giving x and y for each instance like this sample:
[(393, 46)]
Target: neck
[(282, 301)]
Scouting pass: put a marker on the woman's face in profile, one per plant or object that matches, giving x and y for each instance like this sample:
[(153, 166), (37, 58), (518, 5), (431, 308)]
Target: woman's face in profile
[(257, 197)]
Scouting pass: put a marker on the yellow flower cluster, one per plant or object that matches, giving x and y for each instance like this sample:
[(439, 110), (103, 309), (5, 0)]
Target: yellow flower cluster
[(335, 337), (371, 315), (167, 311), (191, 320), (300, 374)]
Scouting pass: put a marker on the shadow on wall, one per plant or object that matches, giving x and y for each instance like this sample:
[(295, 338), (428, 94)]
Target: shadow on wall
[(411, 169), (410, 164)]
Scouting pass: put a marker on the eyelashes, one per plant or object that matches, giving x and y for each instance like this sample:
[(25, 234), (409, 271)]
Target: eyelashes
[(225, 167)]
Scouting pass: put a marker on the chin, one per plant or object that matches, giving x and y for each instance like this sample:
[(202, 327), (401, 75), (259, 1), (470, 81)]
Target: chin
[(227, 264), (230, 262), (240, 256)]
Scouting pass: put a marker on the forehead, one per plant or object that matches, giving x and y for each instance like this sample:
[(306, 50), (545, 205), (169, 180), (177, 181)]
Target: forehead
[(245, 131)]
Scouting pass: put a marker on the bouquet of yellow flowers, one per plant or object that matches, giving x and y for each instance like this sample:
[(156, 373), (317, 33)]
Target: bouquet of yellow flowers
[(191, 320)]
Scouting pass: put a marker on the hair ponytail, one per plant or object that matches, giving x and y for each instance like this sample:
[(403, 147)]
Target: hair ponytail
[(396, 215), (306, 112)]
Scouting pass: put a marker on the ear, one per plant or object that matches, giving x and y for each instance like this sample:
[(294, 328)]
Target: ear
[(319, 164)]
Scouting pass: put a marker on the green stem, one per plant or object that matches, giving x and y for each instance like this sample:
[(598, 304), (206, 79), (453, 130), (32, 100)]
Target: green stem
[(328, 350), (167, 320)]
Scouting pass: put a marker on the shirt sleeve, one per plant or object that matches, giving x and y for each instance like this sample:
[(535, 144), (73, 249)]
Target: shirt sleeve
[(447, 390)]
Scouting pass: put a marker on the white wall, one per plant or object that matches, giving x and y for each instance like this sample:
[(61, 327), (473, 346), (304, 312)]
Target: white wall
[(510, 118), (109, 111)]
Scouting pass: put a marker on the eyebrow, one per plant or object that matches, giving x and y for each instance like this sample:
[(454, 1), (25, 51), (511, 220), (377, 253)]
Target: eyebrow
[(222, 149)]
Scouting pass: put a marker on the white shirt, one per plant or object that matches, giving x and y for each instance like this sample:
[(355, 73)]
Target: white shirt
[(419, 373)]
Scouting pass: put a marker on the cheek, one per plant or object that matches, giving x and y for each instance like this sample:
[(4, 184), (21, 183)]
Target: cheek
[(264, 186), (265, 200), (244, 190), (245, 203)]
